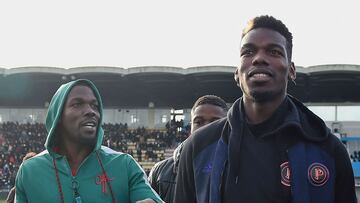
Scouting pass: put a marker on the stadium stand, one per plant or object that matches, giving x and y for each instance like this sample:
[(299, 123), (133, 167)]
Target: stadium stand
[(145, 95), (147, 146)]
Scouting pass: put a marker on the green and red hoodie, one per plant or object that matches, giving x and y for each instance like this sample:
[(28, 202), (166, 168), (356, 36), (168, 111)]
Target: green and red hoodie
[(104, 176)]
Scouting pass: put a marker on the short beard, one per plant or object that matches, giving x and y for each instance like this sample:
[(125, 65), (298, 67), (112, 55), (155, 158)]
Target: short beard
[(264, 97), (88, 141)]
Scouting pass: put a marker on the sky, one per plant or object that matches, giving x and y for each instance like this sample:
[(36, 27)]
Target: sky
[(183, 33)]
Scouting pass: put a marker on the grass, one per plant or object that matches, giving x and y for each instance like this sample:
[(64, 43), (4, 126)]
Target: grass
[(2, 201)]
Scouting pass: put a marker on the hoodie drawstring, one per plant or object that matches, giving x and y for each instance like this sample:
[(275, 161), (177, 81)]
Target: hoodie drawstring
[(58, 182), (76, 192)]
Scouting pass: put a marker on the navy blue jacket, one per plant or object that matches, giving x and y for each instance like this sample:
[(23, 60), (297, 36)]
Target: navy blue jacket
[(319, 167)]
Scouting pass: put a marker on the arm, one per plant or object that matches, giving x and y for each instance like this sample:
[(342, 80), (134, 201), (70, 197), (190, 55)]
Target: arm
[(139, 187), (20, 195), (153, 176), (344, 181), (11, 195), (185, 184)]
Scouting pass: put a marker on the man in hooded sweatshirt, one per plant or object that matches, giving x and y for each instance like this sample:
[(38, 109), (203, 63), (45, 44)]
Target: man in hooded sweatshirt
[(270, 147), (75, 167)]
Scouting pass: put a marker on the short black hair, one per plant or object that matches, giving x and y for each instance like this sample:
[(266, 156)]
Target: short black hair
[(210, 99), (269, 22)]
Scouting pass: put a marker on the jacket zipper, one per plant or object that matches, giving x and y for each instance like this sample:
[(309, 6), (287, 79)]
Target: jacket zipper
[(75, 186), (75, 183)]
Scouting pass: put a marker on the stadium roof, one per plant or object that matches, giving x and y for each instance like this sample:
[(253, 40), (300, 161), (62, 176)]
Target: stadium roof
[(169, 86)]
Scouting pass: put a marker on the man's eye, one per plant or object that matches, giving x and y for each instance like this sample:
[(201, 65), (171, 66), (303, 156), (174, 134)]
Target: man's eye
[(197, 122), (247, 52), (95, 106), (275, 52), (76, 105)]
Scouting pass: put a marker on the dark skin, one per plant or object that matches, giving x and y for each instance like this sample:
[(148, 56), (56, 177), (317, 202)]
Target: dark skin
[(263, 73), (78, 125), (205, 114)]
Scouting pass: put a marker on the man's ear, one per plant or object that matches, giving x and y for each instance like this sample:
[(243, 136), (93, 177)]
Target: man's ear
[(292, 72), (236, 77)]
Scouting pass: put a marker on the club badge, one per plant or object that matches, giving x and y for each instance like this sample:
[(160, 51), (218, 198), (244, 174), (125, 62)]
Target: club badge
[(285, 174), (318, 174)]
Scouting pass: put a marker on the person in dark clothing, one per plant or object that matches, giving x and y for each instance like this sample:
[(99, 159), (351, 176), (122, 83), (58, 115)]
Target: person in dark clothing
[(270, 147), (162, 177)]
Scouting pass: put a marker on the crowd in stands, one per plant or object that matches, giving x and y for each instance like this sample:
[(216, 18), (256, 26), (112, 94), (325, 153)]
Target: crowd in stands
[(17, 139), (355, 156)]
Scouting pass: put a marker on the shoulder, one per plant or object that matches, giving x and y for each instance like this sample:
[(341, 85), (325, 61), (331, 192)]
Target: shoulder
[(338, 150), (38, 165), (162, 168), (110, 152), (38, 160), (334, 146), (159, 166), (163, 165), (115, 158)]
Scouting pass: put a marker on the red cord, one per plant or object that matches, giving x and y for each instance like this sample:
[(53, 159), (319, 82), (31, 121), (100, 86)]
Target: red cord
[(58, 182), (108, 182)]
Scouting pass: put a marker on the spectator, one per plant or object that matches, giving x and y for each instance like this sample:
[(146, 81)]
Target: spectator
[(162, 177)]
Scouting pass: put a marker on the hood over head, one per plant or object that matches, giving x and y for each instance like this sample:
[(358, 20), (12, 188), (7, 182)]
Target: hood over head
[(56, 108)]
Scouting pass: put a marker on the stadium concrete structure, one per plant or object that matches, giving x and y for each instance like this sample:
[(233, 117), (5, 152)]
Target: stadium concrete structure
[(147, 96), (174, 87), (143, 96)]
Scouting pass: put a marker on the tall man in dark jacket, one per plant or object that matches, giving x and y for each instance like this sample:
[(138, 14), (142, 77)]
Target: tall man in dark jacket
[(270, 148), (162, 177)]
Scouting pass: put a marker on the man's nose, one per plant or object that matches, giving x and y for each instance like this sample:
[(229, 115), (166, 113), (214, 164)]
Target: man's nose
[(260, 58), (90, 111)]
